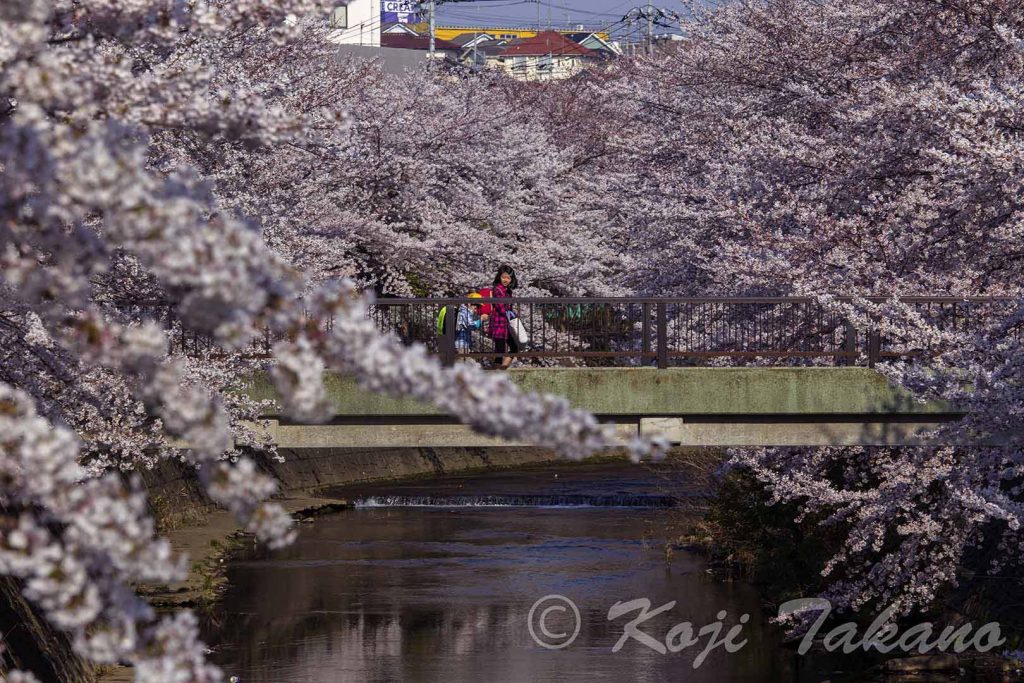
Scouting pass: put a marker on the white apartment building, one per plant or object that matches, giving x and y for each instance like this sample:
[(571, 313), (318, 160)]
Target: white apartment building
[(356, 22)]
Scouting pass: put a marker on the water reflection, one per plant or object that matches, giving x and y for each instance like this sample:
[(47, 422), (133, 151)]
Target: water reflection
[(430, 594)]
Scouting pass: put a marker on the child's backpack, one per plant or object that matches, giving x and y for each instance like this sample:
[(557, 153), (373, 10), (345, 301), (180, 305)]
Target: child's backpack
[(487, 293)]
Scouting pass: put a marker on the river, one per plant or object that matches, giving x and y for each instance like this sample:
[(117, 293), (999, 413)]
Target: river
[(435, 580)]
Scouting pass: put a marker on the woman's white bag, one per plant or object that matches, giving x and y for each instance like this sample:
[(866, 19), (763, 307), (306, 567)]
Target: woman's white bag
[(518, 330)]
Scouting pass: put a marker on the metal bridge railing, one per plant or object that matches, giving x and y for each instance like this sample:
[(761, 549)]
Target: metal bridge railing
[(645, 331), (666, 331)]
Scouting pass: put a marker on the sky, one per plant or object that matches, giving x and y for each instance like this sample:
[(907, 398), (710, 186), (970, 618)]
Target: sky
[(563, 13)]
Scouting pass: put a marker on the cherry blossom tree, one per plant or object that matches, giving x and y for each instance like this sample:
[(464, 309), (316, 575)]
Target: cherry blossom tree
[(128, 134), (213, 168), (859, 148), (436, 181)]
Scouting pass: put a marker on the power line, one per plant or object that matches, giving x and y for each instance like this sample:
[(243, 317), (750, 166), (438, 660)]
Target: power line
[(497, 17), (539, 3), (653, 16), (509, 4), (576, 10)]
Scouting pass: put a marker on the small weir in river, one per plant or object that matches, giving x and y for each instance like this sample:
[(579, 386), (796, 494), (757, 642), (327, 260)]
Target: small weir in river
[(534, 501)]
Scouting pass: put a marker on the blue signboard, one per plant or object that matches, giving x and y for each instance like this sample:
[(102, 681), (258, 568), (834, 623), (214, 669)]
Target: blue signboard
[(399, 11)]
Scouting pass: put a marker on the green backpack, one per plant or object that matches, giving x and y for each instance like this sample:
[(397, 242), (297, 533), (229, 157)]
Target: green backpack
[(440, 321)]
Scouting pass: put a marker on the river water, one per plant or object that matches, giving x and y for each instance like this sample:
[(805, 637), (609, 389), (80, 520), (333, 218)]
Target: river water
[(434, 581)]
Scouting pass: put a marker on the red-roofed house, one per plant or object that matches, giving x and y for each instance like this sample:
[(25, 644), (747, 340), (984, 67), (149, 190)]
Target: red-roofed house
[(547, 56)]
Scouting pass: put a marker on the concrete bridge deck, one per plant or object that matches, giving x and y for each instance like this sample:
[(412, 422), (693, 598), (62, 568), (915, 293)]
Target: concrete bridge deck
[(700, 406)]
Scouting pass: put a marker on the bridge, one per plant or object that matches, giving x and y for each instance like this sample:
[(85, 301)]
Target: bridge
[(799, 373), (696, 406)]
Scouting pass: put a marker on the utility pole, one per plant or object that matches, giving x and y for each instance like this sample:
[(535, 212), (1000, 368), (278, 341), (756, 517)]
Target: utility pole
[(650, 30), (433, 27), (654, 16)]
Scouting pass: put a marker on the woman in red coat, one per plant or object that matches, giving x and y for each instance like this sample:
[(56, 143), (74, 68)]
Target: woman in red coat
[(505, 283)]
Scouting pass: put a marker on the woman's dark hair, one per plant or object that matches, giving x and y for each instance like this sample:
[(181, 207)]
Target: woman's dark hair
[(503, 268)]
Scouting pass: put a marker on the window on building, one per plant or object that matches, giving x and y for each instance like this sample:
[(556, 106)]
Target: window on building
[(507, 36), (339, 17), (519, 63), (544, 63)]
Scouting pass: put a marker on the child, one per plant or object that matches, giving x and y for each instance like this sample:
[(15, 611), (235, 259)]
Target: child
[(469, 319), (505, 283)]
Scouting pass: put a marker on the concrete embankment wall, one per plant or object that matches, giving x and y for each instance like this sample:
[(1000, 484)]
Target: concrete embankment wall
[(30, 644), (178, 499), (314, 469)]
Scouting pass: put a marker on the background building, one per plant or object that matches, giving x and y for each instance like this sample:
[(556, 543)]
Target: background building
[(356, 22), (443, 49), (546, 56), (498, 32), (393, 31)]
